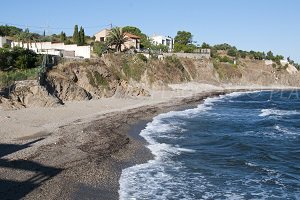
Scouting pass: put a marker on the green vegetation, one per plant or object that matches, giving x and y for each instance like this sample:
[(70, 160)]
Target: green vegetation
[(78, 36), (160, 47), (145, 42), (8, 78), (18, 58), (9, 31), (225, 59), (81, 35), (99, 48), (100, 80), (63, 37), (116, 38), (227, 71), (96, 79), (174, 61), (142, 57), (134, 67), (183, 42)]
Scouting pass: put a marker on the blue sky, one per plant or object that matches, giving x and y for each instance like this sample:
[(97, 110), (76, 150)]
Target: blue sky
[(248, 24)]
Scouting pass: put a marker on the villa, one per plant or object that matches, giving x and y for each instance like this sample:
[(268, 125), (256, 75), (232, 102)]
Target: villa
[(133, 41), (164, 40)]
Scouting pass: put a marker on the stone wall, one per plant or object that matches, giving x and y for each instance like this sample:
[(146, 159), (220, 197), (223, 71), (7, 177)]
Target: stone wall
[(188, 55)]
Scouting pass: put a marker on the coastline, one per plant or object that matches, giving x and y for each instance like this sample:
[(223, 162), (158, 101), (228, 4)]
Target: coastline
[(84, 160)]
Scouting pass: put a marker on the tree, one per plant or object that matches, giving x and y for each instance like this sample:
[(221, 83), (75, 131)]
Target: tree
[(270, 56), (81, 39), (205, 46), (232, 52), (63, 37), (242, 54), (145, 42), (9, 30), (17, 58), (116, 38), (183, 42), (76, 35)]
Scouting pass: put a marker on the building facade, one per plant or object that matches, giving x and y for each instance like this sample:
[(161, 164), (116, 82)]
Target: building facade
[(164, 40)]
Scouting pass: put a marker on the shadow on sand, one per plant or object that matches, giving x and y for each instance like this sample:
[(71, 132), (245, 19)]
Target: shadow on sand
[(16, 189)]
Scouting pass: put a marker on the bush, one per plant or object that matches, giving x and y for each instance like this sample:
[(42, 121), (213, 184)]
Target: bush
[(232, 53), (99, 48), (173, 60), (225, 59), (142, 57), (7, 78), (18, 58)]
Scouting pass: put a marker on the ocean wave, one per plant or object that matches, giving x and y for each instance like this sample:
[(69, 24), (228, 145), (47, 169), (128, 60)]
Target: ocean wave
[(275, 112), (157, 178)]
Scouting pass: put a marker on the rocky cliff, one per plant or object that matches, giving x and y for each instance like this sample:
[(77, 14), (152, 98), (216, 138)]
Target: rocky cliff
[(122, 76)]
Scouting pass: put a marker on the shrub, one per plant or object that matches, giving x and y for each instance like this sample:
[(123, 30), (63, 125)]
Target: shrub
[(142, 57), (232, 52), (99, 48)]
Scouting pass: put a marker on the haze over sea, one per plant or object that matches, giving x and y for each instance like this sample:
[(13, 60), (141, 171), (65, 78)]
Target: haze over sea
[(237, 146)]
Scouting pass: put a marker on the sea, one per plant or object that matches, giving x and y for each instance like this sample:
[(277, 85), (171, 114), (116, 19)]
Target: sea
[(243, 145)]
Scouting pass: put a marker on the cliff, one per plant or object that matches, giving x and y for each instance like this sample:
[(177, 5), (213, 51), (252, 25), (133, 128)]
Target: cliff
[(127, 76)]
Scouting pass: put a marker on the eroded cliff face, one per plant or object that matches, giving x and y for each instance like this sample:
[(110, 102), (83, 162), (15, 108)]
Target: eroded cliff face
[(123, 76), (28, 94)]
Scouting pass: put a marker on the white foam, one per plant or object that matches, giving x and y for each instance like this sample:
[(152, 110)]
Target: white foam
[(155, 179), (275, 112)]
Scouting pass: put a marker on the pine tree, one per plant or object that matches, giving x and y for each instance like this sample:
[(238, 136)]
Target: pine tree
[(76, 35)]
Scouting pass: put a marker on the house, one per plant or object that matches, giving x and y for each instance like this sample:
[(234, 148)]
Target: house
[(164, 40), (5, 40), (133, 41), (102, 35), (57, 49)]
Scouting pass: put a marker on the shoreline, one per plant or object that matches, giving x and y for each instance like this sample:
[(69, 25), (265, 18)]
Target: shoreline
[(85, 159)]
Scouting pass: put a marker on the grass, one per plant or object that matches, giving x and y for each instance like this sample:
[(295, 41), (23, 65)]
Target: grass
[(96, 79), (227, 71), (8, 78), (133, 70)]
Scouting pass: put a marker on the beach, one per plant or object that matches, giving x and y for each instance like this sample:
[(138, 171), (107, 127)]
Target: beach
[(78, 151)]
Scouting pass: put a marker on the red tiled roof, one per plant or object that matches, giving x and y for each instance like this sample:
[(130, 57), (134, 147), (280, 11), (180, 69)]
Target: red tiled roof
[(132, 36)]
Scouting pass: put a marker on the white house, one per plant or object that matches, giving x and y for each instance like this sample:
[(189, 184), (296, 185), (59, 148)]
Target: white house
[(164, 40), (58, 49)]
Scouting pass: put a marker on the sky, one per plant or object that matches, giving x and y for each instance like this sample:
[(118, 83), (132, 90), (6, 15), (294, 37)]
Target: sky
[(259, 25)]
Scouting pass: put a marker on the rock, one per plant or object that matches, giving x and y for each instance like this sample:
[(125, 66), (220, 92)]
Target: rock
[(28, 94)]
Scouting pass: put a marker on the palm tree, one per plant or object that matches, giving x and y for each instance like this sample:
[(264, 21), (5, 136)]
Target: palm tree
[(116, 38)]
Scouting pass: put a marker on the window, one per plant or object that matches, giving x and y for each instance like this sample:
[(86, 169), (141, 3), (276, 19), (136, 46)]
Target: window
[(163, 42), (101, 39)]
